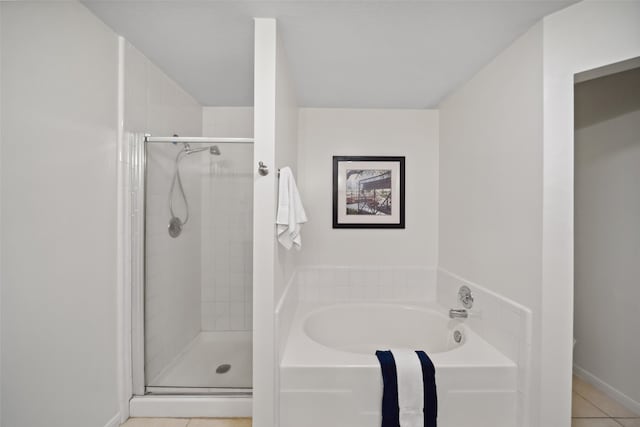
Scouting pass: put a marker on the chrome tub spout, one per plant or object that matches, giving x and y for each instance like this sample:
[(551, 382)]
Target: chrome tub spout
[(458, 313)]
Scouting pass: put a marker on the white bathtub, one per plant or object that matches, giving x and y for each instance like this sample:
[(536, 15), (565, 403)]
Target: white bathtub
[(365, 328), (330, 376)]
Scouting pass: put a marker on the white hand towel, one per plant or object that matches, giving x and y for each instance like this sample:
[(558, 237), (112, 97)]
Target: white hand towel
[(291, 214), (410, 388)]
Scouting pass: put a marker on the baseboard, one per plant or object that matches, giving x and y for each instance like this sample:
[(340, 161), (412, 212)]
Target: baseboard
[(114, 422), (191, 406), (610, 391)]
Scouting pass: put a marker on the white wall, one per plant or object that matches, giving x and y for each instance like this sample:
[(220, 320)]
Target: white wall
[(1, 57), (503, 251), (325, 133), (275, 133), (264, 206), (155, 104), (607, 235), (59, 91), (56, 112), (491, 178), (584, 36), (227, 121), (286, 154), (227, 222), (491, 172)]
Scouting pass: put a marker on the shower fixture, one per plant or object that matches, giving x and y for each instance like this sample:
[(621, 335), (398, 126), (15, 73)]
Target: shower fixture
[(175, 223)]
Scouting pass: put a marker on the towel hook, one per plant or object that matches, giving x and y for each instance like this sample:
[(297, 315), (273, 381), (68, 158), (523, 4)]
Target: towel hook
[(262, 168)]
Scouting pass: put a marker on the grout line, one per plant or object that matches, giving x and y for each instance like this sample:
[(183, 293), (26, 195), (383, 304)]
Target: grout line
[(593, 403), (607, 397), (597, 418), (601, 409), (595, 406), (608, 417)]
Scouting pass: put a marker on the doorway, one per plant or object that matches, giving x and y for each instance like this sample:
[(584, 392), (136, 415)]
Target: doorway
[(606, 381)]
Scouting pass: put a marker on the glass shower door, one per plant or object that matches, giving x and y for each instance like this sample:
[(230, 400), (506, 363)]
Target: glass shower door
[(198, 267)]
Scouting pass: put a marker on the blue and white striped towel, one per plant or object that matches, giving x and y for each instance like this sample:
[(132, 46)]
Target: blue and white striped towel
[(409, 397)]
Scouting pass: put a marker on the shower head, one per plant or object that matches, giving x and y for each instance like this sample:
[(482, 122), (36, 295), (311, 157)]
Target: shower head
[(213, 150)]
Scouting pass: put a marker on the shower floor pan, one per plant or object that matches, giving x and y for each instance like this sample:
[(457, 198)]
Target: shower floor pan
[(211, 377), (213, 362)]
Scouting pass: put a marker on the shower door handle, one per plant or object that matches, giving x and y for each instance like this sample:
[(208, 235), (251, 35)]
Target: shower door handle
[(262, 168)]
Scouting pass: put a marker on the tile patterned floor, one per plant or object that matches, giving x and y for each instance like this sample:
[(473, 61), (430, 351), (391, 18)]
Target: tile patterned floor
[(592, 408), (188, 422)]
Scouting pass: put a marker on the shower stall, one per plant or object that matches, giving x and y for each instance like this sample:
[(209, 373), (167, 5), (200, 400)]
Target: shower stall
[(192, 288)]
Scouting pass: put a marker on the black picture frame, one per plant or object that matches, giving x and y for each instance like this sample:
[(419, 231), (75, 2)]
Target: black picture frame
[(375, 214)]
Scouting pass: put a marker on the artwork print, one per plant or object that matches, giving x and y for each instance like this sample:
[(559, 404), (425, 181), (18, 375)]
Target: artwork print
[(368, 192)]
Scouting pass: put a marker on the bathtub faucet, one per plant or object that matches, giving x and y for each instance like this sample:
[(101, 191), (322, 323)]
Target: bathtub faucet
[(458, 313)]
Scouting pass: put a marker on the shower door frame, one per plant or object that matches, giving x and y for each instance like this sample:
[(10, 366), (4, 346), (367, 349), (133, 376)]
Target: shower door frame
[(167, 401), (139, 172), (138, 184)]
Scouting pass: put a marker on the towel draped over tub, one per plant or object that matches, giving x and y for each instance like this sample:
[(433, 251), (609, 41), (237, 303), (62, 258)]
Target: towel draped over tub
[(409, 397)]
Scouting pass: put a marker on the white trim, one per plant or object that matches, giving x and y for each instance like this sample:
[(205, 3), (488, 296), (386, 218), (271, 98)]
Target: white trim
[(136, 224), (607, 70), (0, 234), (190, 406), (223, 392), (264, 218), (607, 389), (115, 421), (123, 320)]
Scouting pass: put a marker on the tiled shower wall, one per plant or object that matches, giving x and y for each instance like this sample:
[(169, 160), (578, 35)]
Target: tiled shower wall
[(227, 223), (172, 264), (157, 105), (227, 187)]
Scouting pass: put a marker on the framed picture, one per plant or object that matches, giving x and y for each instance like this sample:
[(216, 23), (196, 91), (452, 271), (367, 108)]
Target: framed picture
[(368, 192)]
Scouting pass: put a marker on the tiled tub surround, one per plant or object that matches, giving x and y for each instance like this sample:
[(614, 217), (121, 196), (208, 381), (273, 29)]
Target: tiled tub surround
[(503, 323), (485, 376), (334, 284)]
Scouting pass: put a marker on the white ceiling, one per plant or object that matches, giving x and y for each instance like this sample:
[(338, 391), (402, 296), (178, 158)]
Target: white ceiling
[(367, 54)]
